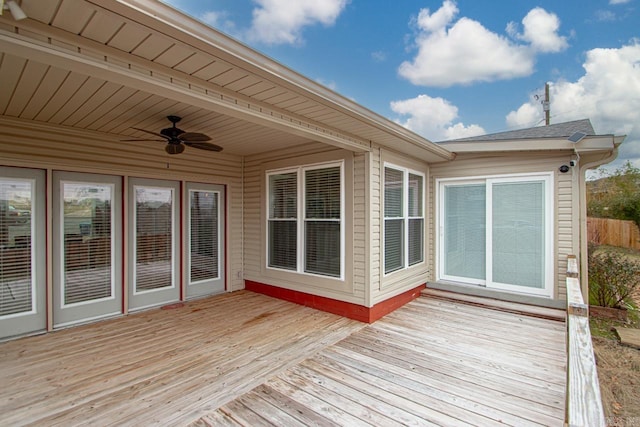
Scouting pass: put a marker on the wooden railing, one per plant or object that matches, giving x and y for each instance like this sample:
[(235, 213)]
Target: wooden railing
[(584, 404)]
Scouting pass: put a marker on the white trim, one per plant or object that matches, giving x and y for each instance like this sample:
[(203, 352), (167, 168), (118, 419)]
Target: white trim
[(188, 236), (405, 216), (301, 220), (547, 178), (112, 218), (32, 261), (134, 263)]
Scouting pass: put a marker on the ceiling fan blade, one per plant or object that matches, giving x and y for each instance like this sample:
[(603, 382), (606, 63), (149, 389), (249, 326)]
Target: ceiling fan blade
[(203, 146), (166, 138), (194, 137)]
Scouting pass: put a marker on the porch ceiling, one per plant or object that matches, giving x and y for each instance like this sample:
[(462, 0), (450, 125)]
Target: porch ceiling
[(109, 66)]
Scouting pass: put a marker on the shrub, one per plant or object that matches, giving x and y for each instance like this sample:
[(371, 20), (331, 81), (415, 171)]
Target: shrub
[(613, 278)]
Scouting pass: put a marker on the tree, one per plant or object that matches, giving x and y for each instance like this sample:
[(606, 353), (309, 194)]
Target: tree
[(616, 195)]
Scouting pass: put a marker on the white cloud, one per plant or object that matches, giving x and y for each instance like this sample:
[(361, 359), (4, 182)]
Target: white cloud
[(219, 20), (433, 118), (463, 52), (282, 21), (619, 1), (541, 31), (608, 93)]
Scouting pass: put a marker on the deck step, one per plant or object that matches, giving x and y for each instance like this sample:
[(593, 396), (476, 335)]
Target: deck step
[(508, 306)]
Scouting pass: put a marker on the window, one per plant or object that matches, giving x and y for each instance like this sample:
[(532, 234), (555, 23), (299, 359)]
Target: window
[(17, 281), (403, 218), (305, 230), (497, 232)]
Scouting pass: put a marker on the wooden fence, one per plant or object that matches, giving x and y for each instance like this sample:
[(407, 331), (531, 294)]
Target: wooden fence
[(613, 232), (584, 403)]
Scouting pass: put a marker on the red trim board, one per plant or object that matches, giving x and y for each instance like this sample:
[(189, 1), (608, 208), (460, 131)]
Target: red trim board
[(341, 308)]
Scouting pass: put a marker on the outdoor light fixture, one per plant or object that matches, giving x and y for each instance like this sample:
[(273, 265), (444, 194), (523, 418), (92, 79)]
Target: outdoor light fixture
[(15, 10), (564, 168)]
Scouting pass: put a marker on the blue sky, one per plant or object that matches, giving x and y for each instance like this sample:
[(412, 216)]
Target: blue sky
[(450, 69)]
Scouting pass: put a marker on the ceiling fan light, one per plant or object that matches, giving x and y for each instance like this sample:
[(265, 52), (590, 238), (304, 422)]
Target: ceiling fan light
[(174, 148)]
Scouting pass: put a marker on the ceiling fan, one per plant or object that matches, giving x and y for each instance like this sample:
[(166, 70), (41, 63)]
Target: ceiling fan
[(176, 139)]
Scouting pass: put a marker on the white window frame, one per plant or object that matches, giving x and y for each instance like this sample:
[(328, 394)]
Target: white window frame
[(188, 235), (405, 217), (301, 218), (174, 230), (488, 181), (35, 276), (61, 247)]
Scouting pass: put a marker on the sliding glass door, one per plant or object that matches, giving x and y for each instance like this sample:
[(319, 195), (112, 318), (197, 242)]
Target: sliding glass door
[(497, 232)]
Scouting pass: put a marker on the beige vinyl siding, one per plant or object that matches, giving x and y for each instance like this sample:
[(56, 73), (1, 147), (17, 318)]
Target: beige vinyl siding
[(565, 226), (255, 169), (360, 225), (29, 144), (384, 287)]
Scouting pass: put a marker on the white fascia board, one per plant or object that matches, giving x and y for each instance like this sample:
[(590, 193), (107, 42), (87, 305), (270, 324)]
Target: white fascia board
[(590, 143)]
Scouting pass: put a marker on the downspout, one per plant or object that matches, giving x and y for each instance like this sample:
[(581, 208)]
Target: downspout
[(582, 259)]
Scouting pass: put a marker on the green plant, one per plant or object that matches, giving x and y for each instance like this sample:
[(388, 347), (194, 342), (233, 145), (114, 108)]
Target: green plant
[(615, 195), (613, 278)]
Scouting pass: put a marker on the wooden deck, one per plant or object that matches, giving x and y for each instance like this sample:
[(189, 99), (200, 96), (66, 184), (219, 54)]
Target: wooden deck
[(246, 359)]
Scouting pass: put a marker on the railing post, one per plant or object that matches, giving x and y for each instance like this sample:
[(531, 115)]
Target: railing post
[(583, 402)]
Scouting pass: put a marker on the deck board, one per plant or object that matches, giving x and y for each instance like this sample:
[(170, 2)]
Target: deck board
[(436, 362), (247, 359)]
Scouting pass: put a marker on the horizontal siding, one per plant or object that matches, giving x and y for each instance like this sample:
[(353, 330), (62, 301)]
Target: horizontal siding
[(255, 253), (383, 288), (360, 238), (565, 226), (28, 144)]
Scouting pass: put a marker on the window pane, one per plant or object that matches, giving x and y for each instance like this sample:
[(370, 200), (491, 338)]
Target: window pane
[(203, 235), (323, 248), (416, 241), (464, 231), (282, 195), (16, 280), (519, 234), (393, 194), (282, 244), (322, 193), (154, 232), (87, 241), (393, 245), (415, 195)]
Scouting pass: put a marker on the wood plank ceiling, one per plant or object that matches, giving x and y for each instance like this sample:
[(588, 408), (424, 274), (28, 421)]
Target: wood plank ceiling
[(108, 31)]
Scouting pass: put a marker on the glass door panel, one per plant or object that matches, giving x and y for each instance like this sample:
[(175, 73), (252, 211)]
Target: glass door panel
[(153, 243), (205, 256), (518, 234), (22, 252), (87, 233)]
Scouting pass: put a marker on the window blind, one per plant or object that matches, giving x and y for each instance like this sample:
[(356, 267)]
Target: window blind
[(415, 235), (283, 225), (322, 221), (16, 275), (87, 220), (464, 231), (394, 227), (518, 233), (203, 215), (154, 237)]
